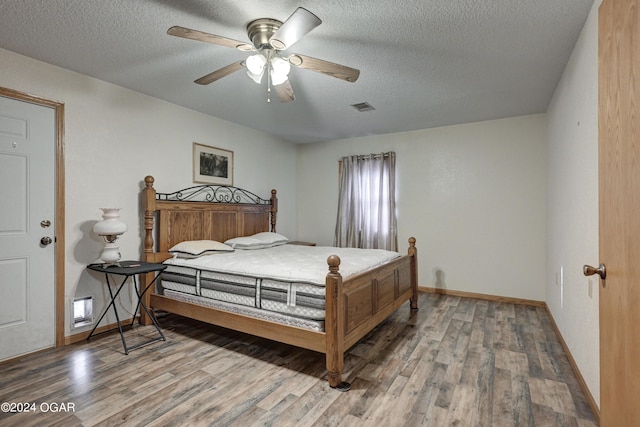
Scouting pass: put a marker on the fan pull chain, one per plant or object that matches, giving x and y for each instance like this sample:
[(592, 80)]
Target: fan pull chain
[(268, 84)]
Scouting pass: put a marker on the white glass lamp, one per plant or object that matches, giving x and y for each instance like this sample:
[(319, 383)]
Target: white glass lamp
[(255, 67), (277, 67), (110, 228), (279, 70)]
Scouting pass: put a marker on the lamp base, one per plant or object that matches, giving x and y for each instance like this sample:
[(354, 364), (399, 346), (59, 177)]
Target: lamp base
[(110, 255)]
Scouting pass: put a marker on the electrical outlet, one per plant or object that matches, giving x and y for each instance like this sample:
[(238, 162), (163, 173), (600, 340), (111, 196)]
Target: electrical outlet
[(561, 287)]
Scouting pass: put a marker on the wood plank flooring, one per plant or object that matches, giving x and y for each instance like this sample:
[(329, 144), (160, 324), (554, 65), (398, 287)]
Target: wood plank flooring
[(455, 362)]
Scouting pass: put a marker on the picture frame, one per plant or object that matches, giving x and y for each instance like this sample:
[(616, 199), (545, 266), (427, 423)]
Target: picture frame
[(212, 165)]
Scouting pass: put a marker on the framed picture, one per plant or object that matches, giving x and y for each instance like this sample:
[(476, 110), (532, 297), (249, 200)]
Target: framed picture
[(212, 165)]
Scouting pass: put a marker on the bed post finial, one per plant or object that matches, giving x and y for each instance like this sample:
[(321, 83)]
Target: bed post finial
[(274, 209), (413, 252), (149, 207), (334, 263)]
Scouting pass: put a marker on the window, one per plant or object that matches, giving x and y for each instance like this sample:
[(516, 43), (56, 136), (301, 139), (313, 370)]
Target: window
[(366, 203), (82, 311)]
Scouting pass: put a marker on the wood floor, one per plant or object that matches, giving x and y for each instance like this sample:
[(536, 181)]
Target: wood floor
[(455, 362)]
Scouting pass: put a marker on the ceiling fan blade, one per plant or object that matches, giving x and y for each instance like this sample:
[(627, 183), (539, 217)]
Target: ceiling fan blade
[(294, 28), (222, 72), (188, 33), (285, 91), (325, 67)]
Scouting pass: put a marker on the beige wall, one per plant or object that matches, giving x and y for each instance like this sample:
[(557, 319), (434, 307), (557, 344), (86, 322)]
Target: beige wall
[(109, 133), (473, 195), (572, 214)]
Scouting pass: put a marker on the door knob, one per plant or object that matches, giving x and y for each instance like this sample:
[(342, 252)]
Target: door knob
[(46, 241), (600, 271)]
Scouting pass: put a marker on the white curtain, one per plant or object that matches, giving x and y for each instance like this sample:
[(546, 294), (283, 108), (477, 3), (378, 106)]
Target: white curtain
[(366, 204)]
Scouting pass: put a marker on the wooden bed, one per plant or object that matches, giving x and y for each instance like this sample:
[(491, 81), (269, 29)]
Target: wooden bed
[(353, 307)]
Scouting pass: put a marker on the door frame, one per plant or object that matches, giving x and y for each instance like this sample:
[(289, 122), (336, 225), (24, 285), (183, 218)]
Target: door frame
[(59, 201)]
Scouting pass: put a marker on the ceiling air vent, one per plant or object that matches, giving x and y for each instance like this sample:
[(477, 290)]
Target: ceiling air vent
[(363, 106)]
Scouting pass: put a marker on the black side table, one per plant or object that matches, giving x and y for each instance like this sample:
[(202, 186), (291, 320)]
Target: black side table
[(128, 269)]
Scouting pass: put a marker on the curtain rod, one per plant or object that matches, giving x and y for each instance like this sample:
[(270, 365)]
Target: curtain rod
[(372, 155)]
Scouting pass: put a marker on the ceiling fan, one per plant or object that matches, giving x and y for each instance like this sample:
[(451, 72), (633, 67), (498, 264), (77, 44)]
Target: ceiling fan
[(269, 38)]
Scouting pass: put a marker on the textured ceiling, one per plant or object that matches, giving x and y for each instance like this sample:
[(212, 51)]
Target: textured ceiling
[(424, 63)]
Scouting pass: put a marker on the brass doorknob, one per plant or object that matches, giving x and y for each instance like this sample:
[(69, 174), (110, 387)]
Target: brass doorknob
[(600, 271), (46, 241)]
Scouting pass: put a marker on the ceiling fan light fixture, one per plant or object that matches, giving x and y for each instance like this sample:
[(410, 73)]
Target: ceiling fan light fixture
[(278, 79), (279, 70), (256, 64), (256, 77)]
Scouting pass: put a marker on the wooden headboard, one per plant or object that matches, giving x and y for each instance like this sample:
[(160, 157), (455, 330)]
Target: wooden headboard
[(203, 212)]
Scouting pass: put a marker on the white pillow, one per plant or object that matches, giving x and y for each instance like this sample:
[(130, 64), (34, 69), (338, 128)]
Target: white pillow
[(268, 237), (196, 248), (258, 241)]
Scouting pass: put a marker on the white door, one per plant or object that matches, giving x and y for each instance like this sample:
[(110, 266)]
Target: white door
[(27, 213)]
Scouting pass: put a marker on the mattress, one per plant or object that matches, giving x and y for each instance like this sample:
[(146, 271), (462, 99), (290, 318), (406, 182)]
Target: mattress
[(287, 280)]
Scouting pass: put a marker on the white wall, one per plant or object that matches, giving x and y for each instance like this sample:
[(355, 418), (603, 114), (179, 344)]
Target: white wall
[(114, 137), (572, 214), (473, 195)]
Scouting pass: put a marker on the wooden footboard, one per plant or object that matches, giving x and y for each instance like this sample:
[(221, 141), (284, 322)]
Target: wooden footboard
[(356, 306)]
